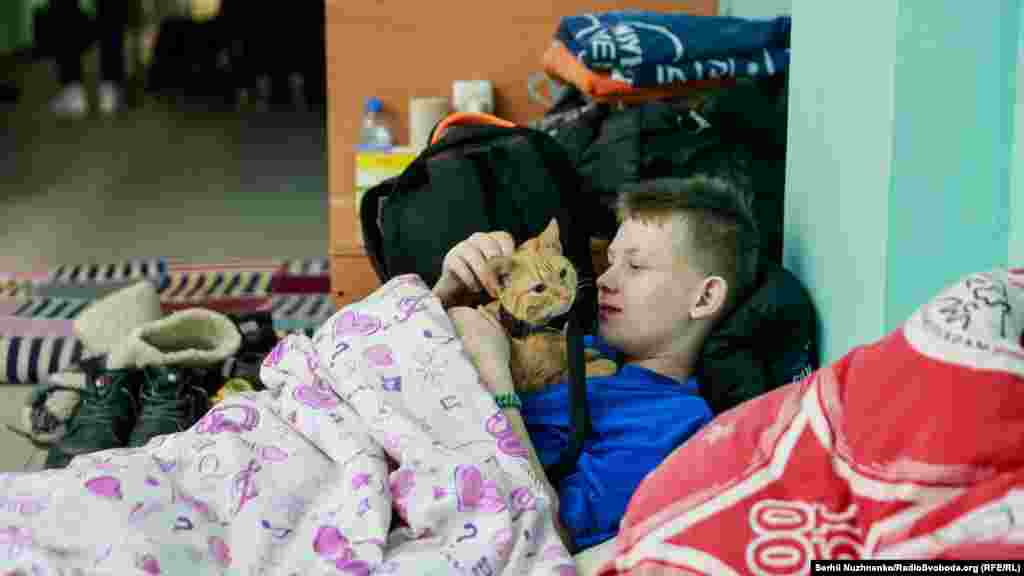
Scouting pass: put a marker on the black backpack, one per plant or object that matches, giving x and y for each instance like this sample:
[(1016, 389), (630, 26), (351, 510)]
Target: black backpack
[(739, 133), (476, 178), (479, 178)]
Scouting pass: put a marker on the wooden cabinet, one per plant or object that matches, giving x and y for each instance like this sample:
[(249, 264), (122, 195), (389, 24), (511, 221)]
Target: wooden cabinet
[(397, 50), (352, 277)]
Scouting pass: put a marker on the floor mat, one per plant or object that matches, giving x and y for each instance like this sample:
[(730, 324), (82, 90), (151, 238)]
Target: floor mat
[(37, 308)]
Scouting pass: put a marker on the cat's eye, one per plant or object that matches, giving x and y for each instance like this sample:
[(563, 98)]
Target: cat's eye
[(539, 289), (563, 273)]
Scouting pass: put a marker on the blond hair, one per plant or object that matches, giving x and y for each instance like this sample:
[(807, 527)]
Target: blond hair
[(723, 234)]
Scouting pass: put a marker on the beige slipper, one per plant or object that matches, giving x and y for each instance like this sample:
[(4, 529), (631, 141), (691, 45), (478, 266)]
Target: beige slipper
[(106, 322), (190, 337)]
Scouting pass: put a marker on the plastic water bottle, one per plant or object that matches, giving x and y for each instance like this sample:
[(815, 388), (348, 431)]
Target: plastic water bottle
[(375, 133)]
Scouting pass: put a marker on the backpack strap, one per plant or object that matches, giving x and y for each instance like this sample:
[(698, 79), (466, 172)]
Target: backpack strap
[(373, 240), (578, 405), (467, 118)]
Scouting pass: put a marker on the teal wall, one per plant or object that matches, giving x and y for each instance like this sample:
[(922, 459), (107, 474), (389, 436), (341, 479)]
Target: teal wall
[(1017, 158), (838, 156), (949, 202), (754, 8), (900, 152)]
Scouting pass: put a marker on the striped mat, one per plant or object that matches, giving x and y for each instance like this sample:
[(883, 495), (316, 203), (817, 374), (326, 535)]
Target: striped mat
[(153, 269), (37, 309)]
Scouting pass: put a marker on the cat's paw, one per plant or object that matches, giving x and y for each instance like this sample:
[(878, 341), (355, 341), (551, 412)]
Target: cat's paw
[(601, 367)]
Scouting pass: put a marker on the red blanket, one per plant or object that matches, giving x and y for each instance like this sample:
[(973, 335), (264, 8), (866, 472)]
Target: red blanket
[(910, 447)]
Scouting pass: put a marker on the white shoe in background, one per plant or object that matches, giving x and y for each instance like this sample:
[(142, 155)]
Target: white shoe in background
[(110, 97), (70, 101)]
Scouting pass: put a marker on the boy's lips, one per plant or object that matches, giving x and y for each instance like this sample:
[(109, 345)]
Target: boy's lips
[(607, 310)]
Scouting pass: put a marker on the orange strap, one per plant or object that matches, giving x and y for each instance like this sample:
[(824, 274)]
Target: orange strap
[(461, 118)]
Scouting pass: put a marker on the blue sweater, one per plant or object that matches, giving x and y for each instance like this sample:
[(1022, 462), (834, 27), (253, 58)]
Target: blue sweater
[(638, 418)]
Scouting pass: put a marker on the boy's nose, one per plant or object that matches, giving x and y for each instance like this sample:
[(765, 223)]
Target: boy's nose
[(605, 282)]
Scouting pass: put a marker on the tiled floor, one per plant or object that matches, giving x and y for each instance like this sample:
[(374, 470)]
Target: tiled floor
[(159, 180)]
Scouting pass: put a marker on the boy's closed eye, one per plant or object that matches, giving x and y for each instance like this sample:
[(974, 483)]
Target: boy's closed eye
[(632, 263)]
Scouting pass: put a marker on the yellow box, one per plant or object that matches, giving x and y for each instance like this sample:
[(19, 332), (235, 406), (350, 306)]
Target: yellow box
[(373, 167)]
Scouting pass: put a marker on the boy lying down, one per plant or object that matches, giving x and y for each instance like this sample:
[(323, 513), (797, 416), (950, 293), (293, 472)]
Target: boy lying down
[(681, 256), (382, 412)]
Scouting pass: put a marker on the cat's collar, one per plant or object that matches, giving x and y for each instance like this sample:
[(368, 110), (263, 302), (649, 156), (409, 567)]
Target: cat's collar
[(517, 328)]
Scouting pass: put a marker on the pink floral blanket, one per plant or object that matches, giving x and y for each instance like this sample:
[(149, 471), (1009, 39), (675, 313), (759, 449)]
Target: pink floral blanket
[(375, 450)]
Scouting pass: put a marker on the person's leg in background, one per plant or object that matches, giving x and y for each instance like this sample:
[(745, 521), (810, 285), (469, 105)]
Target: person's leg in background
[(230, 26), (300, 29), (259, 30), (292, 29), (71, 100), (280, 24), (111, 22), (9, 91), (315, 57)]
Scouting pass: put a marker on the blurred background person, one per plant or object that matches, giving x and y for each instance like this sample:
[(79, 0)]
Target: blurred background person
[(78, 33), (224, 49)]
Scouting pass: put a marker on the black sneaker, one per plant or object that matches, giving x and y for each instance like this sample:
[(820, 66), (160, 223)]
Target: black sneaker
[(172, 399), (258, 339), (257, 330), (104, 417)]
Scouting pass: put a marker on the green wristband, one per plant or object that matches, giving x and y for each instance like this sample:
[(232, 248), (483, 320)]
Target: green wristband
[(508, 400)]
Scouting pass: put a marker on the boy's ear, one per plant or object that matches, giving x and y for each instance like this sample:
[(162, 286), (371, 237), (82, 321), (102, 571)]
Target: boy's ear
[(710, 297), (502, 268), (549, 238)]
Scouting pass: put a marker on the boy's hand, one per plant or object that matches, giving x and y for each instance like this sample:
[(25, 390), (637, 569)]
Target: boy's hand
[(465, 270)]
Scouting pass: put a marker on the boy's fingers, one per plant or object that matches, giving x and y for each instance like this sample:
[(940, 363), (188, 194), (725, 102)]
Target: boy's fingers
[(469, 259), (476, 261), (462, 271), (506, 244), (493, 244), (490, 282)]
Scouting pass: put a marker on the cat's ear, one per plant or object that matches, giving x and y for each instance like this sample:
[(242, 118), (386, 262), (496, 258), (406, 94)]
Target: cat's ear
[(549, 239), (502, 267)]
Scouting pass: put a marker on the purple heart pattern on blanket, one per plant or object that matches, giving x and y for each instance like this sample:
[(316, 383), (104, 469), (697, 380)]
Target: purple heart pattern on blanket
[(380, 412), (499, 427), (475, 493), (332, 545), (351, 323)]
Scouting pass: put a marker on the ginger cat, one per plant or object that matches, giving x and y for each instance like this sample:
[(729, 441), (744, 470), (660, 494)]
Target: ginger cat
[(535, 284)]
